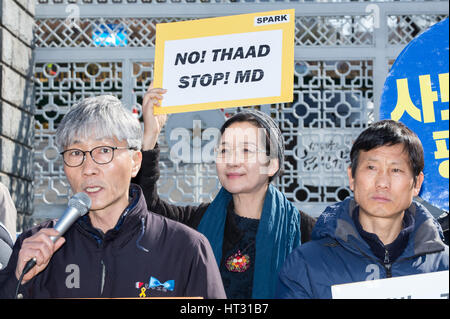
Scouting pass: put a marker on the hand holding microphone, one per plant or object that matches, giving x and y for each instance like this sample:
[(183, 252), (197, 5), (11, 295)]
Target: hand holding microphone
[(37, 250), (36, 253)]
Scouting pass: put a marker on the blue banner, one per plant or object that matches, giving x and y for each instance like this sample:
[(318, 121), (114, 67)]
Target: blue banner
[(110, 35), (416, 94)]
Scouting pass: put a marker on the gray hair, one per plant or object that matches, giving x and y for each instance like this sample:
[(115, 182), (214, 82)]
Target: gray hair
[(101, 117)]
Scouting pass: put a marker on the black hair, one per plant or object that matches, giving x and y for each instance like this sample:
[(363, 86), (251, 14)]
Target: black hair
[(389, 133), (274, 139)]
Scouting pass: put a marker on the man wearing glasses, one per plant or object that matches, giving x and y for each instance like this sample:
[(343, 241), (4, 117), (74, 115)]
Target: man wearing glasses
[(119, 248)]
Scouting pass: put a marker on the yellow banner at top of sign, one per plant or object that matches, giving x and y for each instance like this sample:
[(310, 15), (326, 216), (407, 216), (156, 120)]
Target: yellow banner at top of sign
[(237, 24), (241, 23)]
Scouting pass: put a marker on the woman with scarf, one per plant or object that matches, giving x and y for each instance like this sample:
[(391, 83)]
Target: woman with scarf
[(251, 226)]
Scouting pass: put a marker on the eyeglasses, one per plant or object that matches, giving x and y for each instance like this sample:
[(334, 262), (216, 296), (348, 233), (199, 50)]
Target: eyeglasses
[(242, 152), (101, 155)]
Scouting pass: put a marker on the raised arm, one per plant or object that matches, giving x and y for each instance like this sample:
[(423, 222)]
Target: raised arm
[(149, 173)]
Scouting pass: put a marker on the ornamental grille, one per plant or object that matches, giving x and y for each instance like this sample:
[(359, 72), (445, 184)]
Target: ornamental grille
[(338, 79), (403, 28), (329, 97), (310, 31)]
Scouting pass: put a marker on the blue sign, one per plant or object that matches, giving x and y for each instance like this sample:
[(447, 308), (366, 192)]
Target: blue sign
[(416, 93), (110, 35)]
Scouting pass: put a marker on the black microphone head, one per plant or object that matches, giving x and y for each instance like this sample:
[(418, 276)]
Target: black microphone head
[(81, 202)]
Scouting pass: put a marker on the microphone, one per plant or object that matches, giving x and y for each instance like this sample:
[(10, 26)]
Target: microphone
[(78, 206)]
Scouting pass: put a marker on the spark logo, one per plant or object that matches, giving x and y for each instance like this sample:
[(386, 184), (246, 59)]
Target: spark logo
[(275, 19)]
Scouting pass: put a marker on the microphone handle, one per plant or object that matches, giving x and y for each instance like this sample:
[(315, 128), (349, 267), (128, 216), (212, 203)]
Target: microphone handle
[(29, 265)]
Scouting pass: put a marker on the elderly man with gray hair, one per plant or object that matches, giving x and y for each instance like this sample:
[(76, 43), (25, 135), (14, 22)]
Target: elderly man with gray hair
[(119, 248)]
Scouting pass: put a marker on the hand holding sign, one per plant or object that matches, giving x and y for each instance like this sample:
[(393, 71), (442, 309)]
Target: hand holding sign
[(225, 62), (153, 124)]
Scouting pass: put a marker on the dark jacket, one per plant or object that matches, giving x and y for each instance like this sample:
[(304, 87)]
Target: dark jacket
[(337, 254), (144, 254), (443, 221), (191, 215)]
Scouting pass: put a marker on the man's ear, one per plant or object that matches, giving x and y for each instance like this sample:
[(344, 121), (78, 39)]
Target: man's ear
[(351, 180), (136, 159), (418, 184)]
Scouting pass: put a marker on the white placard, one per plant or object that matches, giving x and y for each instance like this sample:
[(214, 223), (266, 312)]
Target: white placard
[(213, 70), (432, 285)]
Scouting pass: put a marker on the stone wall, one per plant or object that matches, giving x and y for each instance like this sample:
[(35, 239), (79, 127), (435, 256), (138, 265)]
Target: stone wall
[(16, 103)]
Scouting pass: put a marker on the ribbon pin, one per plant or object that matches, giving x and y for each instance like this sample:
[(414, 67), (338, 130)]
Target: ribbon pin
[(154, 283)]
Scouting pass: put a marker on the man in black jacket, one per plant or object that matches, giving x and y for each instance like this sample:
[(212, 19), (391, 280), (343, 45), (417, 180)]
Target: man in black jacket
[(119, 249)]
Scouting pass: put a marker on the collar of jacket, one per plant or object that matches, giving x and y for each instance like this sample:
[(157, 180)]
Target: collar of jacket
[(336, 222), (126, 226), (396, 247)]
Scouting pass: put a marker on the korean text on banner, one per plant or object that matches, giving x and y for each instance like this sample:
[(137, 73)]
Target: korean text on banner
[(223, 62), (416, 93)]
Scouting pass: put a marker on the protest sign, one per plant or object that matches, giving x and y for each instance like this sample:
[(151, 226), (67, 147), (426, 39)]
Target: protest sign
[(416, 93), (432, 285), (225, 62)]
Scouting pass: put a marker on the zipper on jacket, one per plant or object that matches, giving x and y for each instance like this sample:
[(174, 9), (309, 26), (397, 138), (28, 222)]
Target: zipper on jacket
[(387, 264), (102, 284)]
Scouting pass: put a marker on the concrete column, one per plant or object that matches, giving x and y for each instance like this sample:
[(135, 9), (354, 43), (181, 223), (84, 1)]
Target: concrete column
[(16, 104)]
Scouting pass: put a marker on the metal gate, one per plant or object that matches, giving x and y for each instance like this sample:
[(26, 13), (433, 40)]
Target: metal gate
[(343, 50)]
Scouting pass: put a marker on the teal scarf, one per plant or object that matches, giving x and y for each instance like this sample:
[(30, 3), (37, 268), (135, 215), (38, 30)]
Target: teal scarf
[(278, 234)]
